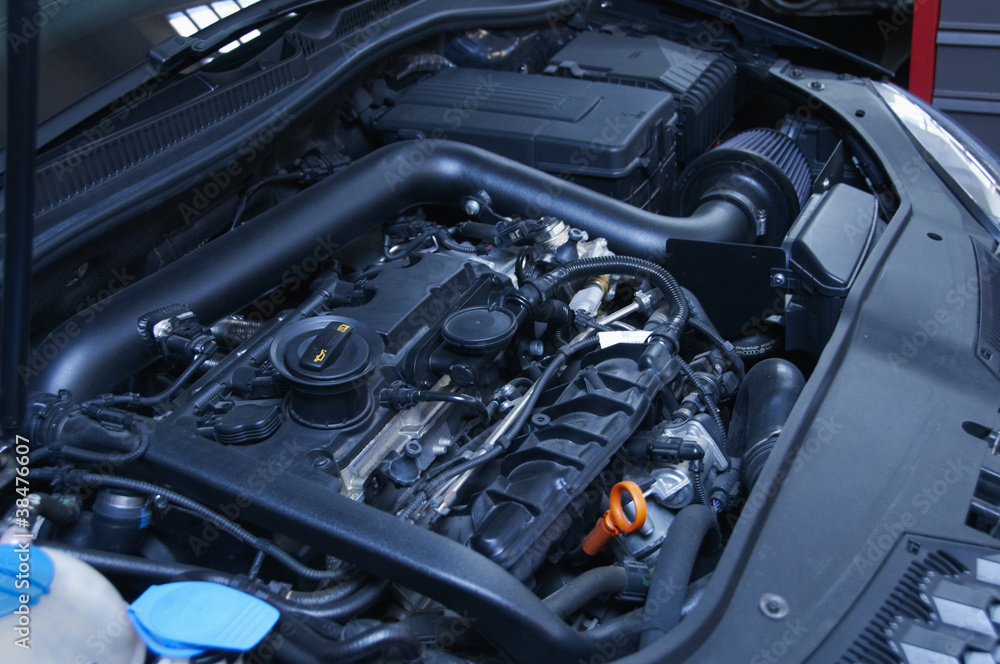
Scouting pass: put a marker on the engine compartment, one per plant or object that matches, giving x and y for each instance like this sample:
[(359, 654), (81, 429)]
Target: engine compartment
[(510, 289)]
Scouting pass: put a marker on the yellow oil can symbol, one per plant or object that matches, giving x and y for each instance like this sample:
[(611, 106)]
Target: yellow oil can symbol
[(321, 356)]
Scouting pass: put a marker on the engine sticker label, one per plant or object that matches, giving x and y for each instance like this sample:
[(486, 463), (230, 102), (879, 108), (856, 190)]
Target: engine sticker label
[(609, 339)]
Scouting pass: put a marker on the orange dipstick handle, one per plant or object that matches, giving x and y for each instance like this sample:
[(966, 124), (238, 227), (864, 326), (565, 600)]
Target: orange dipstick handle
[(614, 522)]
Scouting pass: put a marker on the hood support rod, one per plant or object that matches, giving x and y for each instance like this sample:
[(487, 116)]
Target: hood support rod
[(19, 200)]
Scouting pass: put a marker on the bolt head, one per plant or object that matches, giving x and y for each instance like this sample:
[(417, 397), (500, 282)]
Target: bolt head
[(163, 329), (773, 606)]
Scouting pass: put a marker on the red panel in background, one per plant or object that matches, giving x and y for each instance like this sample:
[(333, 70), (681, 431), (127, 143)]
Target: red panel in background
[(924, 47)]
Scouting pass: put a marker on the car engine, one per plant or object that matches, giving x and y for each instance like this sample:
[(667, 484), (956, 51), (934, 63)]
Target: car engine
[(476, 363)]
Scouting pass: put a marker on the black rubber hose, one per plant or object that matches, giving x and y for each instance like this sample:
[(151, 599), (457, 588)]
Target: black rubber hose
[(347, 607), (124, 565), (694, 529), (460, 399), (57, 510), (372, 642), (137, 400), (420, 496), (763, 403), (662, 280), (313, 598), (314, 224), (330, 604), (756, 345), (561, 335), (376, 641), (701, 323), (216, 519), (557, 362), (625, 630), (343, 601), (589, 585)]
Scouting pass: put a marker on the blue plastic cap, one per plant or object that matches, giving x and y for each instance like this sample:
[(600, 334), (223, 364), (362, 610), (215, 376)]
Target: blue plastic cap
[(162, 649), (198, 614), (24, 570)]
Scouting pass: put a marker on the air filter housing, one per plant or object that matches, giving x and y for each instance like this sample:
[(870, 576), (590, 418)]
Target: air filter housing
[(761, 170), (703, 83), (613, 139)]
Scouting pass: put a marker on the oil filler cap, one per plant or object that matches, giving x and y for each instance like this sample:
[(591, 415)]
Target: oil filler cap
[(195, 616), (326, 360), (326, 349), (479, 328)]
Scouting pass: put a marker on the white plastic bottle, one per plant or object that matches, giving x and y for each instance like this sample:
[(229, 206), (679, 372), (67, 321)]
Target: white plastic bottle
[(81, 620)]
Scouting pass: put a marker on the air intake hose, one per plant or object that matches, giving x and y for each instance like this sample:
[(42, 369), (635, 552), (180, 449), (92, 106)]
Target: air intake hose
[(763, 403), (229, 272), (761, 171)]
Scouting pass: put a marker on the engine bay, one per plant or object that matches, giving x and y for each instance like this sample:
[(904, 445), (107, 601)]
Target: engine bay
[(531, 307)]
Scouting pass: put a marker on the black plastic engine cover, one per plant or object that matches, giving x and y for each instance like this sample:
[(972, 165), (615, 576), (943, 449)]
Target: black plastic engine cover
[(405, 304), (614, 139), (585, 422), (703, 82)]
